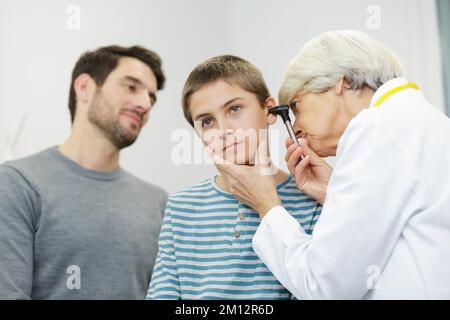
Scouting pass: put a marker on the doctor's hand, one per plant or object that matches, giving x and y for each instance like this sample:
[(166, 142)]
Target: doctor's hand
[(311, 174), (252, 185)]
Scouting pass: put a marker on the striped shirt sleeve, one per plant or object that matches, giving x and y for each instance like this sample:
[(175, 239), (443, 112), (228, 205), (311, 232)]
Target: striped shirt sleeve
[(164, 284), (315, 217)]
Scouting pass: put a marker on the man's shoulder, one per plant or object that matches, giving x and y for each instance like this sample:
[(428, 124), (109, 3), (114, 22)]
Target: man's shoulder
[(20, 178), (147, 187), (26, 166)]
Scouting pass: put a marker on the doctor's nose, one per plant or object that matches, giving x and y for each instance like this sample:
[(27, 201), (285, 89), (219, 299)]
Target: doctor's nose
[(297, 130)]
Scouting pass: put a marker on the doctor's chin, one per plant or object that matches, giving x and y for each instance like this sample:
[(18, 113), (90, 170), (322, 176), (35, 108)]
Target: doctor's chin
[(202, 151)]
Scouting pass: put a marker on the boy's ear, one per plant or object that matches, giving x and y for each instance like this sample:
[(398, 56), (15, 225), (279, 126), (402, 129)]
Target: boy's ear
[(271, 103)]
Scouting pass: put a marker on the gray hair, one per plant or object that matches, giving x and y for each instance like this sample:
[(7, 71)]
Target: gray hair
[(355, 56)]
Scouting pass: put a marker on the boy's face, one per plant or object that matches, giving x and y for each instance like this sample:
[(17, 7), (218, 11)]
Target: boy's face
[(230, 120)]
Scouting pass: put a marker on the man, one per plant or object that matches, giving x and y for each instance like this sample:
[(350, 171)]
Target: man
[(73, 224), (384, 231)]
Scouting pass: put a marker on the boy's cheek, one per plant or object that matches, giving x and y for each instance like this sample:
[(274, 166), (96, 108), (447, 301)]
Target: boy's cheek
[(251, 152), (214, 142), (248, 143)]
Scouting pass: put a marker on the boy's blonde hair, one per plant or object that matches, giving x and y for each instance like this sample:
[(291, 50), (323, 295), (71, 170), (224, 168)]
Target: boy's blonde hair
[(232, 69)]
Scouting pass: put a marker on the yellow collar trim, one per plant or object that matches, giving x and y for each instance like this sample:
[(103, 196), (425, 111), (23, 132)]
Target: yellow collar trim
[(395, 90)]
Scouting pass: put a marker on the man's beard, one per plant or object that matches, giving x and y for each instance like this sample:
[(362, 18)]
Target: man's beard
[(101, 115)]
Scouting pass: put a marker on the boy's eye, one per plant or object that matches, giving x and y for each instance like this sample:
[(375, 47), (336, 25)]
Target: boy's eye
[(235, 108), (207, 123)]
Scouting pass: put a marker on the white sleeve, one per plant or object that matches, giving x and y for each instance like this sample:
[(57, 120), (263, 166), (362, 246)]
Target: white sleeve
[(363, 216)]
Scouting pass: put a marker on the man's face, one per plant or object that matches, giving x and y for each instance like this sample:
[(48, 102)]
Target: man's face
[(121, 106), (317, 120), (229, 120)]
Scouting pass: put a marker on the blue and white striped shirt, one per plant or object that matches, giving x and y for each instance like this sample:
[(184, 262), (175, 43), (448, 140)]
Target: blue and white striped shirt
[(205, 245)]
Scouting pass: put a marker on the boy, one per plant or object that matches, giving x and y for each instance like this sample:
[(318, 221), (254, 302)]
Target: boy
[(205, 245)]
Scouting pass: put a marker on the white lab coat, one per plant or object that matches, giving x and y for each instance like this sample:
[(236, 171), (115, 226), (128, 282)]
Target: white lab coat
[(386, 215)]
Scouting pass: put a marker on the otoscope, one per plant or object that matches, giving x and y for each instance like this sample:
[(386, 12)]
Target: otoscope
[(283, 111)]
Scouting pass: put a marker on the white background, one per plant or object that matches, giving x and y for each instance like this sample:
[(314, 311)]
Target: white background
[(38, 52)]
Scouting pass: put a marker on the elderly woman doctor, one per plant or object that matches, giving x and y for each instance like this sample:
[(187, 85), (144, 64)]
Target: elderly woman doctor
[(384, 232)]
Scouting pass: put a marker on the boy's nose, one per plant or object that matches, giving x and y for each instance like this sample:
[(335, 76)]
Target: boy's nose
[(225, 132), (224, 127)]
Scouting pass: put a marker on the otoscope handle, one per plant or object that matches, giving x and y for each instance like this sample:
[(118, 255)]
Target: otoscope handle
[(283, 111), (291, 131), (292, 135)]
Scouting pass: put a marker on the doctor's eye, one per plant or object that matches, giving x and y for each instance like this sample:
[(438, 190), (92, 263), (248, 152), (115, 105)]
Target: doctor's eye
[(293, 106)]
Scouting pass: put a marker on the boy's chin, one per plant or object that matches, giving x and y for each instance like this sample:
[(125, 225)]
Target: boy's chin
[(244, 161)]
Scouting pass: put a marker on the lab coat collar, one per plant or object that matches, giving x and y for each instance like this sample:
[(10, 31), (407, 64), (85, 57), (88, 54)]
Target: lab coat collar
[(391, 84)]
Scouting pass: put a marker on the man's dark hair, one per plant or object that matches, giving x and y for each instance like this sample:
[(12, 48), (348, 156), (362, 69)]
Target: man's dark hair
[(101, 62)]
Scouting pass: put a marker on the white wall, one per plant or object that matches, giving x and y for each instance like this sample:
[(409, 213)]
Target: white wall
[(38, 52)]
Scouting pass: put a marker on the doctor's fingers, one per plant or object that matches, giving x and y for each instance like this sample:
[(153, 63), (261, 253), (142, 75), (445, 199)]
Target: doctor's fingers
[(290, 150), (218, 160), (301, 170), (307, 150), (294, 158), (233, 172), (289, 142)]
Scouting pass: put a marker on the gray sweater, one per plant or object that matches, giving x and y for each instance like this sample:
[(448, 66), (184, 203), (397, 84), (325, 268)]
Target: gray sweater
[(71, 233)]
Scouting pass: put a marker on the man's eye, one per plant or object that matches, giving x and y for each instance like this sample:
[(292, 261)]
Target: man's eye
[(131, 88), (235, 108), (207, 123)]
